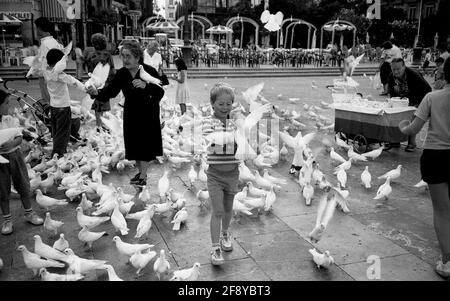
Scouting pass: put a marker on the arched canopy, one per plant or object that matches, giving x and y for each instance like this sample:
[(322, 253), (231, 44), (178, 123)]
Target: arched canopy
[(239, 19), (202, 20), (150, 20), (337, 25), (300, 22)]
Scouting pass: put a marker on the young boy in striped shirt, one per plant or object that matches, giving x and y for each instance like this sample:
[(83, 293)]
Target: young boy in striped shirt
[(222, 173)]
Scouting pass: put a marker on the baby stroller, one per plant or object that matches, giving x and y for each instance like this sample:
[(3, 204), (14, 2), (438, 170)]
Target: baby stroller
[(37, 108)]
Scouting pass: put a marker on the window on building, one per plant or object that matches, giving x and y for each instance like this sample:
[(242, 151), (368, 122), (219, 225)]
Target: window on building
[(171, 15), (412, 11), (429, 10), (170, 2)]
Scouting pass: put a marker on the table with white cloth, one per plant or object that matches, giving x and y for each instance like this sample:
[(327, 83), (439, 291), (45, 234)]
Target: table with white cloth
[(376, 125)]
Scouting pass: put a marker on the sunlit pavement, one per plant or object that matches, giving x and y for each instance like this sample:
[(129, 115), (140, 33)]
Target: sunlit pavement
[(397, 233)]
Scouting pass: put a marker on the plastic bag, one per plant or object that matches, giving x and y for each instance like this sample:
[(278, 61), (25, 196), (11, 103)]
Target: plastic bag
[(376, 84)]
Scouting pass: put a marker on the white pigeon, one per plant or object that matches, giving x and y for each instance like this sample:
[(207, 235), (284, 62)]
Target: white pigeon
[(147, 77), (190, 274), (374, 153), (422, 183), (61, 244), (139, 214), (46, 251), (161, 265), (345, 166), (264, 183), (250, 95), (355, 156), (163, 184), (366, 177), (325, 211), (98, 76), (78, 265), (256, 192), (245, 174), (192, 175), (118, 221), (89, 237), (392, 174), (342, 177), (335, 156), (239, 207), (46, 202), (89, 221), (50, 224), (313, 86), (341, 142), (202, 175), (85, 204), (270, 200), (140, 259), (384, 190), (241, 194), (272, 179), (259, 162), (180, 217), (112, 276), (34, 262), (129, 249), (47, 276), (145, 223), (203, 197), (308, 193), (322, 260)]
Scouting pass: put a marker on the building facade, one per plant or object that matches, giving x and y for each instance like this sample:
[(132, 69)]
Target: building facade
[(412, 7), (26, 11)]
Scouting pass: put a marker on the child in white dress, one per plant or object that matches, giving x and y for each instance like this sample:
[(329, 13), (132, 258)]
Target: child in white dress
[(182, 95)]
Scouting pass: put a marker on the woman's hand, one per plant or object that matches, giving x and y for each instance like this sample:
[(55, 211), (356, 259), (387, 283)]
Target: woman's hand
[(137, 83), (91, 90)]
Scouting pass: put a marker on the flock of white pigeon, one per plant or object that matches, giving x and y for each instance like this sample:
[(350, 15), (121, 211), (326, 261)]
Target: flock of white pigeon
[(79, 174)]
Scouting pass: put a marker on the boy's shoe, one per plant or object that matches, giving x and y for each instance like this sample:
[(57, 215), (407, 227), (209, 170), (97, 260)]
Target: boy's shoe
[(7, 227), (443, 269), (216, 257), (34, 219), (226, 243), (294, 169), (139, 182), (135, 178), (410, 148)]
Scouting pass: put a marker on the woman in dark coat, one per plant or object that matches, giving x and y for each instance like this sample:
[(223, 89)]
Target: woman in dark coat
[(141, 108)]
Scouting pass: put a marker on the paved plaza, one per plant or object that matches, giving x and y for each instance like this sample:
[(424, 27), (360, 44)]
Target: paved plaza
[(272, 246)]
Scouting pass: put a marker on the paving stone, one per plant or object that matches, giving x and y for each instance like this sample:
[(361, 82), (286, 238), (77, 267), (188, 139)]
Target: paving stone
[(405, 267), (347, 239), (233, 270), (406, 231)]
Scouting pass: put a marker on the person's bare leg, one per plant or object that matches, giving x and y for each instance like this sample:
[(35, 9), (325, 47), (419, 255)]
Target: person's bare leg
[(143, 169), (228, 211), (441, 217), (98, 119)]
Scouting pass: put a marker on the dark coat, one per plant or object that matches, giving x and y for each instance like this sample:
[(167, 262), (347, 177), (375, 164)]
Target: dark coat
[(418, 87), (140, 114)]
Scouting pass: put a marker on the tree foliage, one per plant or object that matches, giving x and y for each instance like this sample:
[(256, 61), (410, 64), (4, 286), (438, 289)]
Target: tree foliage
[(105, 16)]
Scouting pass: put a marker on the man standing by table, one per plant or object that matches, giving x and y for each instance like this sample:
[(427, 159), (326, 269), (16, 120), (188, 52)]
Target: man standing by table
[(408, 83)]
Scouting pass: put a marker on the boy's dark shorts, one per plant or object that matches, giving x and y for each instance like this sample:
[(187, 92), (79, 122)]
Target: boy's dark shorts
[(435, 166), (99, 106)]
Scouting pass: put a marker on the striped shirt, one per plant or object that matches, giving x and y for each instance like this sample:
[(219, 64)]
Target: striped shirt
[(219, 154)]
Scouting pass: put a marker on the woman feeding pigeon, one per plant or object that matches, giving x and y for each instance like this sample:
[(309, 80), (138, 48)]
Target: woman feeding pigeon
[(16, 170), (140, 85)]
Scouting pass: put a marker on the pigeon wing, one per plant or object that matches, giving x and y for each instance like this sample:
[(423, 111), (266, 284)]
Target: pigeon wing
[(265, 16), (278, 18)]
